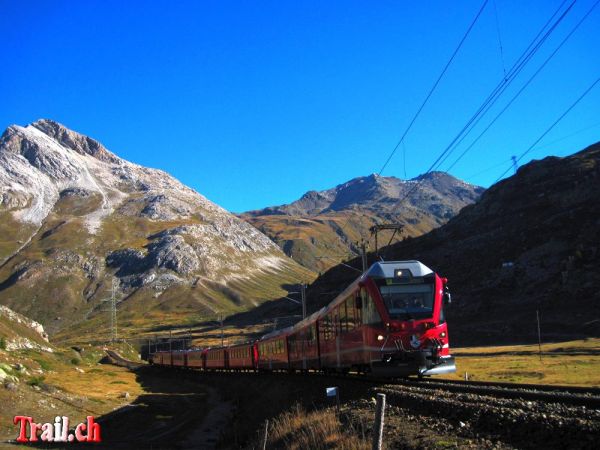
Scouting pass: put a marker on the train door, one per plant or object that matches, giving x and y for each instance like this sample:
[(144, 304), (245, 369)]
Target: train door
[(372, 328), (351, 333)]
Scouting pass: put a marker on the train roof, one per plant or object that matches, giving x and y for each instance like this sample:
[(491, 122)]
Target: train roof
[(388, 269)]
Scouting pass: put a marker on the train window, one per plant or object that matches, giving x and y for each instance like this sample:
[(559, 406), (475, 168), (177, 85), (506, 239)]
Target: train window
[(343, 318), (350, 313), (331, 325), (370, 314), (442, 314), (408, 301)]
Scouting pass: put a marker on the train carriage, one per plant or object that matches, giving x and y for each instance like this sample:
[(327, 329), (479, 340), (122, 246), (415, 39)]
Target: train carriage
[(216, 358), (241, 357), (179, 358), (341, 333), (162, 357), (303, 344), (273, 351), (195, 358)]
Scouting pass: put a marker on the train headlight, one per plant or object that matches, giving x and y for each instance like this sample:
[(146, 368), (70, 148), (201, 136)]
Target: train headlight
[(379, 337), (443, 334)]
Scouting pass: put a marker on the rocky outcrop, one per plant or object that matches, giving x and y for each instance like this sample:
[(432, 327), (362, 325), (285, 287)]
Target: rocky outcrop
[(18, 342)]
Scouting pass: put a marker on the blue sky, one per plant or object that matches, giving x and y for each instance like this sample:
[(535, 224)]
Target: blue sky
[(255, 103)]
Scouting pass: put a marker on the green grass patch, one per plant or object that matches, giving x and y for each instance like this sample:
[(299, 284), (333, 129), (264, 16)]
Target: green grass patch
[(44, 365), (36, 381)]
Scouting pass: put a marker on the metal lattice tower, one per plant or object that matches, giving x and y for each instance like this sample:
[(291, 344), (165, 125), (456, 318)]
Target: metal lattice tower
[(112, 310)]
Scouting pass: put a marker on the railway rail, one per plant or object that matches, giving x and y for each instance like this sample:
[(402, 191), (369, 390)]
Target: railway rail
[(526, 416), (567, 395)]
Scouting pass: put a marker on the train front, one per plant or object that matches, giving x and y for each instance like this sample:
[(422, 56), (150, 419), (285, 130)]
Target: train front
[(412, 334)]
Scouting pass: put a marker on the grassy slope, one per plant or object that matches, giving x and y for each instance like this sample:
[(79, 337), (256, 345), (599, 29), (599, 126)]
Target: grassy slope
[(322, 241), (63, 297), (574, 363), (64, 382)]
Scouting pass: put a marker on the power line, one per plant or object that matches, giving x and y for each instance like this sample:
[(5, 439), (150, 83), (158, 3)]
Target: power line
[(430, 93), (499, 38), (525, 57), (553, 125), (524, 86), (506, 161), (515, 70), (434, 86)]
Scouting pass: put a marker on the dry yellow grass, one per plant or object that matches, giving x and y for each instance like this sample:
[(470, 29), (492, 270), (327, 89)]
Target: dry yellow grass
[(316, 430), (575, 363), (63, 383)]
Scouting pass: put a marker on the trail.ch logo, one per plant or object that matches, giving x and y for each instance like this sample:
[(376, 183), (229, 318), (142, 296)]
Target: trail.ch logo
[(89, 431)]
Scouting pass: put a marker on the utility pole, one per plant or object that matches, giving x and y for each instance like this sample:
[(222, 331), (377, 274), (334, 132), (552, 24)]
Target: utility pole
[(222, 337), (537, 314), (363, 252), (303, 294), (375, 229)]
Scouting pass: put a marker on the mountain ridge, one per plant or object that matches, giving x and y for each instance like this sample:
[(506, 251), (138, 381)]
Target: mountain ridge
[(320, 227), (73, 215), (530, 243)]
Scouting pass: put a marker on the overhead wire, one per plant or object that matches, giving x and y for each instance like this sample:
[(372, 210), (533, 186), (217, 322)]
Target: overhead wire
[(429, 94), (437, 81), (500, 88), (517, 67), (566, 38), (531, 147), (509, 160), (499, 36)]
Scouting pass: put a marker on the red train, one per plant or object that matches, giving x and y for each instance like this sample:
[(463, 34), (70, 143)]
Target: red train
[(389, 322)]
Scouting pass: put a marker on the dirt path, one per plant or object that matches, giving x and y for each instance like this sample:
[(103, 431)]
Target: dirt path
[(208, 433)]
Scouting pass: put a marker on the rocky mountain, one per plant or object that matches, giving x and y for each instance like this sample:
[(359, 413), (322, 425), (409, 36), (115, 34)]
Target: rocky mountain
[(530, 243), (319, 229), (74, 217), (18, 332)]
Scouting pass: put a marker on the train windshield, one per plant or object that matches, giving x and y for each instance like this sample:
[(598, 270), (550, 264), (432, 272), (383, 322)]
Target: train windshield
[(408, 301)]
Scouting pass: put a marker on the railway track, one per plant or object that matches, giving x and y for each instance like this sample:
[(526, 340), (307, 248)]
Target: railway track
[(577, 396), (118, 360), (567, 395), (527, 416)]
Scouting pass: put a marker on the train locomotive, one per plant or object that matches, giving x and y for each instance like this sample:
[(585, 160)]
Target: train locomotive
[(389, 322)]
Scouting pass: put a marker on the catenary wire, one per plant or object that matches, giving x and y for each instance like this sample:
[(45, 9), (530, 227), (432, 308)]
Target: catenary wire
[(525, 57), (525, 85), (581, 97), (485, 2)]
